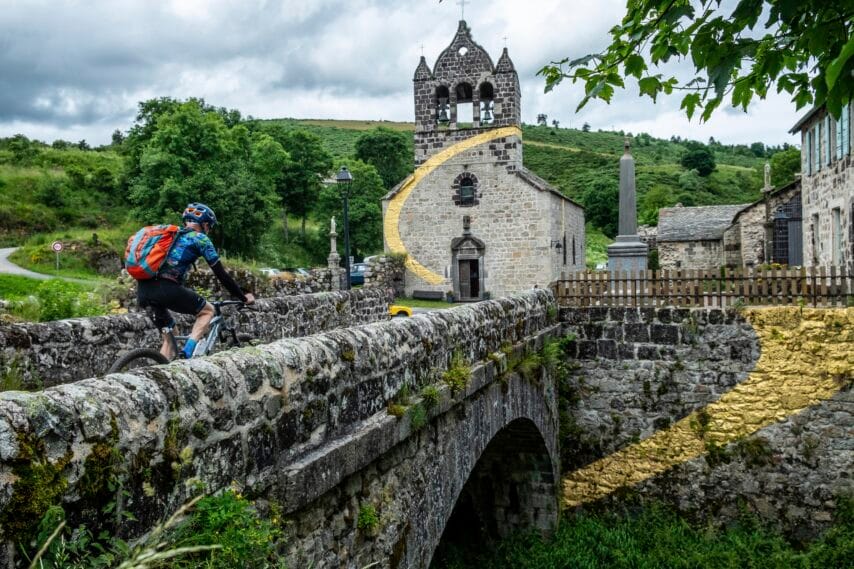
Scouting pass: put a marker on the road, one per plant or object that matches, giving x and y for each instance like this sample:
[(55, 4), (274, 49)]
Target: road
[(7, 267)]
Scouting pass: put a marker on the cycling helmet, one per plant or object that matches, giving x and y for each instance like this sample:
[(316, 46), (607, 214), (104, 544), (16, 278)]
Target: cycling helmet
[(199, 213)]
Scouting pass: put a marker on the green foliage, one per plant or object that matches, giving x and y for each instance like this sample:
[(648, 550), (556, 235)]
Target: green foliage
[(807, 51), (368, 520), (601, 201), (57, 299), (417, 416), (700, 159), (387, 151), (193, 154), (430, 396), (657, 537), (784, 166), (458, 375), (13, 287), (365, 210), (230, 521)]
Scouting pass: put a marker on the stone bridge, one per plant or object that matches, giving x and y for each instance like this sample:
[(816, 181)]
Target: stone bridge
[(386, 442), (404, 418)]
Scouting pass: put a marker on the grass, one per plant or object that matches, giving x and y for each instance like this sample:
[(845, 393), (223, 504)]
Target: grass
[(13, 287), (420, 303), (596, 246), (658, 538)]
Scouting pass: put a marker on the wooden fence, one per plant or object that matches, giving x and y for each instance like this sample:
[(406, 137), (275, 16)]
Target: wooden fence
[(707, 288)]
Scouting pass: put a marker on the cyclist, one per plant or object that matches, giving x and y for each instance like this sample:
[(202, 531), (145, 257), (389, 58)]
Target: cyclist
[(167, 291)]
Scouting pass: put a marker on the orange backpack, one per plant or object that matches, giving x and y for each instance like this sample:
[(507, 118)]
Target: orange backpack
[(147, 249)]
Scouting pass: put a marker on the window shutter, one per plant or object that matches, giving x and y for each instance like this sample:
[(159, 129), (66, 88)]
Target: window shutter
[(805, 153), (816, 147), (840, 129), (826, 142), (846, 130)]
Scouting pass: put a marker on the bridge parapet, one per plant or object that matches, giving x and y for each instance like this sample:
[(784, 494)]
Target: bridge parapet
[(252, 416)]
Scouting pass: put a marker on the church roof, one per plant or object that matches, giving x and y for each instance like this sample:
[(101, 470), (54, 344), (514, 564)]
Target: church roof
[(473, 57), (705, 223), (422, 71), (540, 184), (505, 64)]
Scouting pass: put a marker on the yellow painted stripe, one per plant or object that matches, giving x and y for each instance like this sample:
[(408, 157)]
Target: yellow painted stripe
[(391, 223), (806, 358)]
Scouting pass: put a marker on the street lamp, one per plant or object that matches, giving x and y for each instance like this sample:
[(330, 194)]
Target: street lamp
[(345, 179)]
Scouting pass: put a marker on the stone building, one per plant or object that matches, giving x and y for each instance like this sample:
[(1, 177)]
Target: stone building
[(827, 181), (471, 219), (693, 237), (767, 231)]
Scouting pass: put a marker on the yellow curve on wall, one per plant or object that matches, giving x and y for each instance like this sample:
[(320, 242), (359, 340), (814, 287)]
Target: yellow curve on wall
[(806, 358), (391, 223)]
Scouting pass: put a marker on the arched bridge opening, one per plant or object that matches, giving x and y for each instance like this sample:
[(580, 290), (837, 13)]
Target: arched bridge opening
[(512, 488)]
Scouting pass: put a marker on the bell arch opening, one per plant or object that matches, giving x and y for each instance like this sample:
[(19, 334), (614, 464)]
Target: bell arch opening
[(464, 105), (513, 487)]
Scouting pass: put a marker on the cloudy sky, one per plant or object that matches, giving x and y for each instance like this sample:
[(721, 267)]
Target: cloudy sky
[(76, 69)]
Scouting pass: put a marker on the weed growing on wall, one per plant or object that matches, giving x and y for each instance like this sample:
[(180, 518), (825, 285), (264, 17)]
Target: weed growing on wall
[(458, 375), (430, 396), (368, 521)]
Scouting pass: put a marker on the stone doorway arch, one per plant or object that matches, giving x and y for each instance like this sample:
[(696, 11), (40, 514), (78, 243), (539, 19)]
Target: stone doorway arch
[(467, 267)]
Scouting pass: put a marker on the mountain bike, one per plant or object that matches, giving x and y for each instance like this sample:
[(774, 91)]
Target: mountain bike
[(220, 330)]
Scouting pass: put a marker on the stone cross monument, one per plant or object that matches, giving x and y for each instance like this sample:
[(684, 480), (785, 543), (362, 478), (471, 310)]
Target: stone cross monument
[(334, 258), (628, 252)]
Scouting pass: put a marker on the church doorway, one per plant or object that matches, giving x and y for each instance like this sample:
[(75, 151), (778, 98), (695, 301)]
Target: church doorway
[(467, 265), (469, 279)]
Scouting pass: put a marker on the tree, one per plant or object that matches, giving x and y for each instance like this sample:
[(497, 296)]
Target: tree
[(542, 119), (118, 138), (83, 145), (300, 180), (23, 149), (601, 202), (758, 149), (805, 48), (192, 155), (784, 165), (585, 127), (366, 234), (700, 159), (388, 151)]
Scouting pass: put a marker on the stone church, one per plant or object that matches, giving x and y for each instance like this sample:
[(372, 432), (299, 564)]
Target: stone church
[(471, 219)]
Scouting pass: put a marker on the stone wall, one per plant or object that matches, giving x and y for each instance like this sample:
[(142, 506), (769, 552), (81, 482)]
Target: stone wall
[(712, 411), (295, 420), (690, 254), (49, 353), (387, 272)]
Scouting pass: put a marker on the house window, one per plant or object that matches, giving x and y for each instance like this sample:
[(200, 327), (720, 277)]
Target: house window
[(837, 237)]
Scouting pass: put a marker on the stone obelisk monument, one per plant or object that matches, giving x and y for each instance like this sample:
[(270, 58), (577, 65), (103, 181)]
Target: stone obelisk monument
[(628, 252)]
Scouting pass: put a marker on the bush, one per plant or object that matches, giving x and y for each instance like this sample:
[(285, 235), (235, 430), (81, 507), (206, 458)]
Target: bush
[(57, 299)]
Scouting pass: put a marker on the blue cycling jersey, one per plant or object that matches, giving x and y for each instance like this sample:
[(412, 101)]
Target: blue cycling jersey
[(189, 245)]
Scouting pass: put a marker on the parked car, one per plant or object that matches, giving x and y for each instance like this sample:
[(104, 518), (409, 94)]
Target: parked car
[(296, 271), (357, 273), (397, 310), (269, 271)]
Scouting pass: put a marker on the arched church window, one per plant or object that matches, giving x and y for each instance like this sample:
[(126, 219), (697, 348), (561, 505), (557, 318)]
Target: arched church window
[(465, 111), (487, 104), (465, 190), (443, 105)]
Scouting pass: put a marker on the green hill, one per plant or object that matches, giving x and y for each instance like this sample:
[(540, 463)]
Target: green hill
[(50, 190)]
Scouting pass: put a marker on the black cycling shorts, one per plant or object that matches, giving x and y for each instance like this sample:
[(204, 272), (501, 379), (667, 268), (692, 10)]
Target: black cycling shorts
[(163, 295)]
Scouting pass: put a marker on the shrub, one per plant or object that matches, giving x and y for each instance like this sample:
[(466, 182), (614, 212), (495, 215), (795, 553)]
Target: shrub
[(57, 299), (430, 395), (458, 375)]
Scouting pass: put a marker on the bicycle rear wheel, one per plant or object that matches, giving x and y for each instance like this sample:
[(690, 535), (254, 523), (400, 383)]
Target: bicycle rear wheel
[(141, 357)]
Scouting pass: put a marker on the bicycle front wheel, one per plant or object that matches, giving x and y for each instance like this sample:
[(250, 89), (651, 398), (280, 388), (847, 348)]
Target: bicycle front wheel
[(141, 357)]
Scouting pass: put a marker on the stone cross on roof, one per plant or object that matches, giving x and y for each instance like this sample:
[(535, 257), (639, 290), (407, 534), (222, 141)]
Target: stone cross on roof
[(462, 5)]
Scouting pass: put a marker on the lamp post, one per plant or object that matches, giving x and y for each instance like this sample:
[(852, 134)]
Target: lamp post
[(345, 179)]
